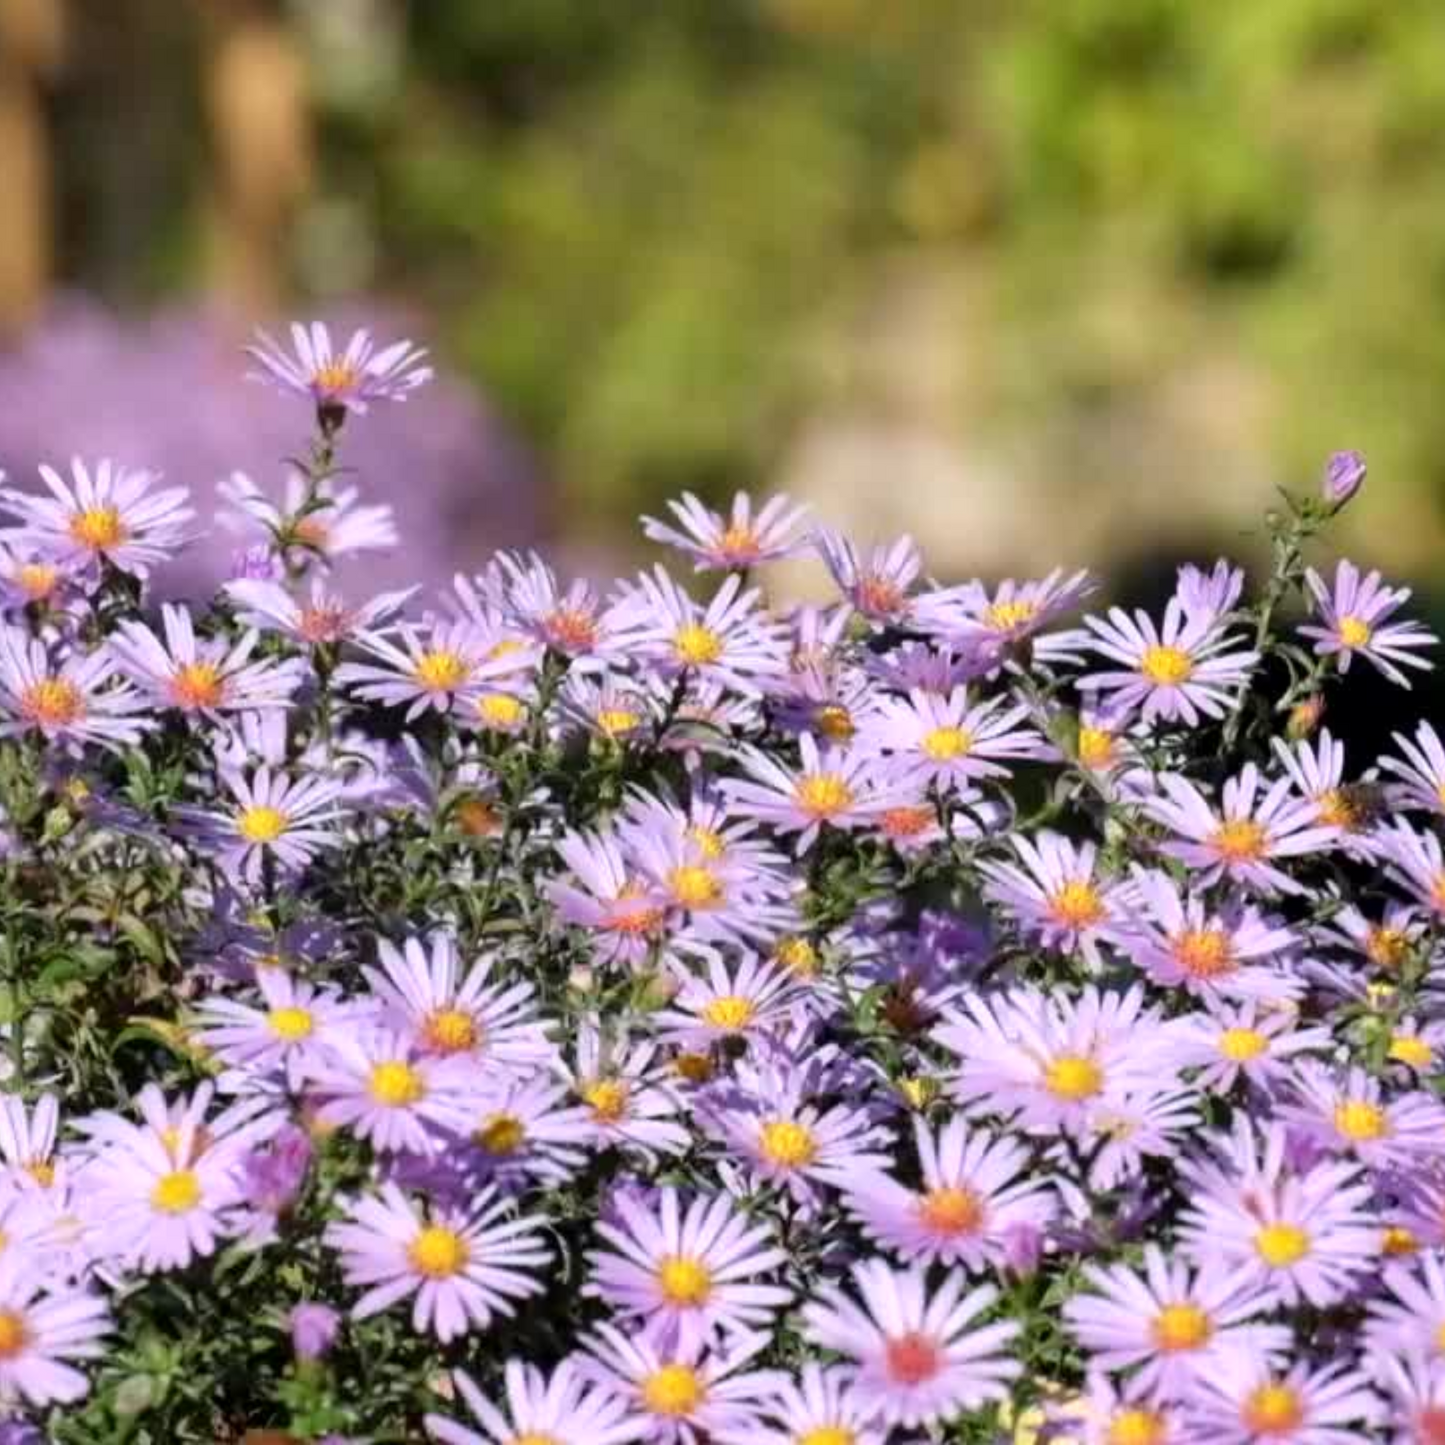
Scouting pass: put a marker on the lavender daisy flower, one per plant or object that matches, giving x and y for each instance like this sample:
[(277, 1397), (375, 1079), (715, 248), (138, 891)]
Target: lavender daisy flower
[(1414, 860), (685, 1394), (1056, 898), (332, 527), (1248, 1041), (273, 1176), (70, 701), (287, 1036), (977, 625), (463, 1267), (1349, 1113), (1318, 774), (737, 541), (561, 1409), (282, 820), (43, 1325), (917, 1360), (1181, 671), (877, 586), (1300, 1235), (950, 740), (323, 619), (730, 641), (1208, 596), (1110, 1417), (1355, 612), (629, 1098), (687, 1273), (27, 1142), (820, 1407), (111, 515), (625, 915), (1248, 831), (751, 1001), (344, 381), (1169, 1323), (1180, 942), (1248, 1400), (377, 1085), (425, 995), (570, 621), (202, 677), (1412, 1318), (1416, 1387), (30, 577), (1422, 770), (976, 1192), (523, 1134)]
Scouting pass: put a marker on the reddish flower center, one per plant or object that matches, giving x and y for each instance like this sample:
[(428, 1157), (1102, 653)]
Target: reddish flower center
[(912, 1358), (53, 702)]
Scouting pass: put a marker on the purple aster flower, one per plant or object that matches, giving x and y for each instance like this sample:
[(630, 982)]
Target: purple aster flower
[(202, 677), (687, 1273), (629, 1098), (730, 641), (820, 1407), (749, 1001), (1412, 1317), (977, 625), (1416, 1387), (43, 1325), (324, 618), (1422, 770), (463, 1267), (625, 915), (1208, 596), (1344, 476), (975, 1194), (314, 1330), (111, 515), (344, 381), (1249, 830), (1180, 941), (1251, 1041), (1303, 1235), (685, 1395), (916, 1357), (425, 995), (1355, 614), (1349, 1113), (1056, 897), (1249, 1400), (949, 739), (561, 1409), (27, 1141), (876, 586), (70, 701), (571, 621), (331, 527), (1110, 1417), (1318, 773), (1169, 1323), (1148, 1121), (31, 577), (1414, 860), (379, 1086), (1188, 668), (273, 1175), (736, 541), (523, 1134)]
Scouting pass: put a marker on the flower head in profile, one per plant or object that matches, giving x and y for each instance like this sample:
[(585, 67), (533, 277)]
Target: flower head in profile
[(736, 541), (348, 380), (603, 894), (317, 522), (74, 699), (319, 618), (1354, 618), (986, 627), (876, 586), (110, 514), (917, 1354), (460, 1268), (562, 1408)]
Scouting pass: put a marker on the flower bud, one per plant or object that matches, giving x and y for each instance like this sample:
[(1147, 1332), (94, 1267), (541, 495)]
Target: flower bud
[(314, 1328), (1304, 718), (1344, 475)]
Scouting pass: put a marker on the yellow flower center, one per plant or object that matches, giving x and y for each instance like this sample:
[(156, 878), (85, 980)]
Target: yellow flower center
[(798, 956), (291, 1023), (1134, 1426), (787, 1144), (198, 684), (1360, 1121), (1273, 1409), (608, 1100), (944, 744), (1005, 616), (834, 721), (440, 670), (1397, 1240), (823, 794), (1073, 1077), (1076, 905), (1411, 1049), (395, 1084), (438, 1252), (335, 377), (52, 702), (1166, 666), (695, 887), (683, 1280), (1240, 840), (531, 1437), (1181, 1327), (37, 579), (502, 1134), (1242, 1045), (1355, 632), (614, 721), (99, 528), (177, 1193), (450, 1031), (827, 1435), (500, 710), (951, 1210), (13, 1334), (730, 1011), (1096, 747), (708, 841), (1204, 952), (42, 1171), (261, 823), (1337, 810), (739, 542), (1281, 1245), (675, 1390), (696, 645), (1386, 947)]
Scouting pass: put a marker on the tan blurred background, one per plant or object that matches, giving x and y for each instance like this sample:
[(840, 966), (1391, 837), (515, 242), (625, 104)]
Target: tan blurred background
[(1076, 281)]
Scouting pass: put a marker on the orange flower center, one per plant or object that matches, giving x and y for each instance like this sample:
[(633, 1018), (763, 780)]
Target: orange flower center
[(1076, 905), (1273, 1409), (951, 1210), (13, 1335), (450, 1031), (99, 528), (1240, 840), (1204, 953), (1181, 1327), (197, 685), (53, 702)]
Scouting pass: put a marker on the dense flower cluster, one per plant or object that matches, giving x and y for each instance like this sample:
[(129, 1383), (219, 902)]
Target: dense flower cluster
[(557, 1018)]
